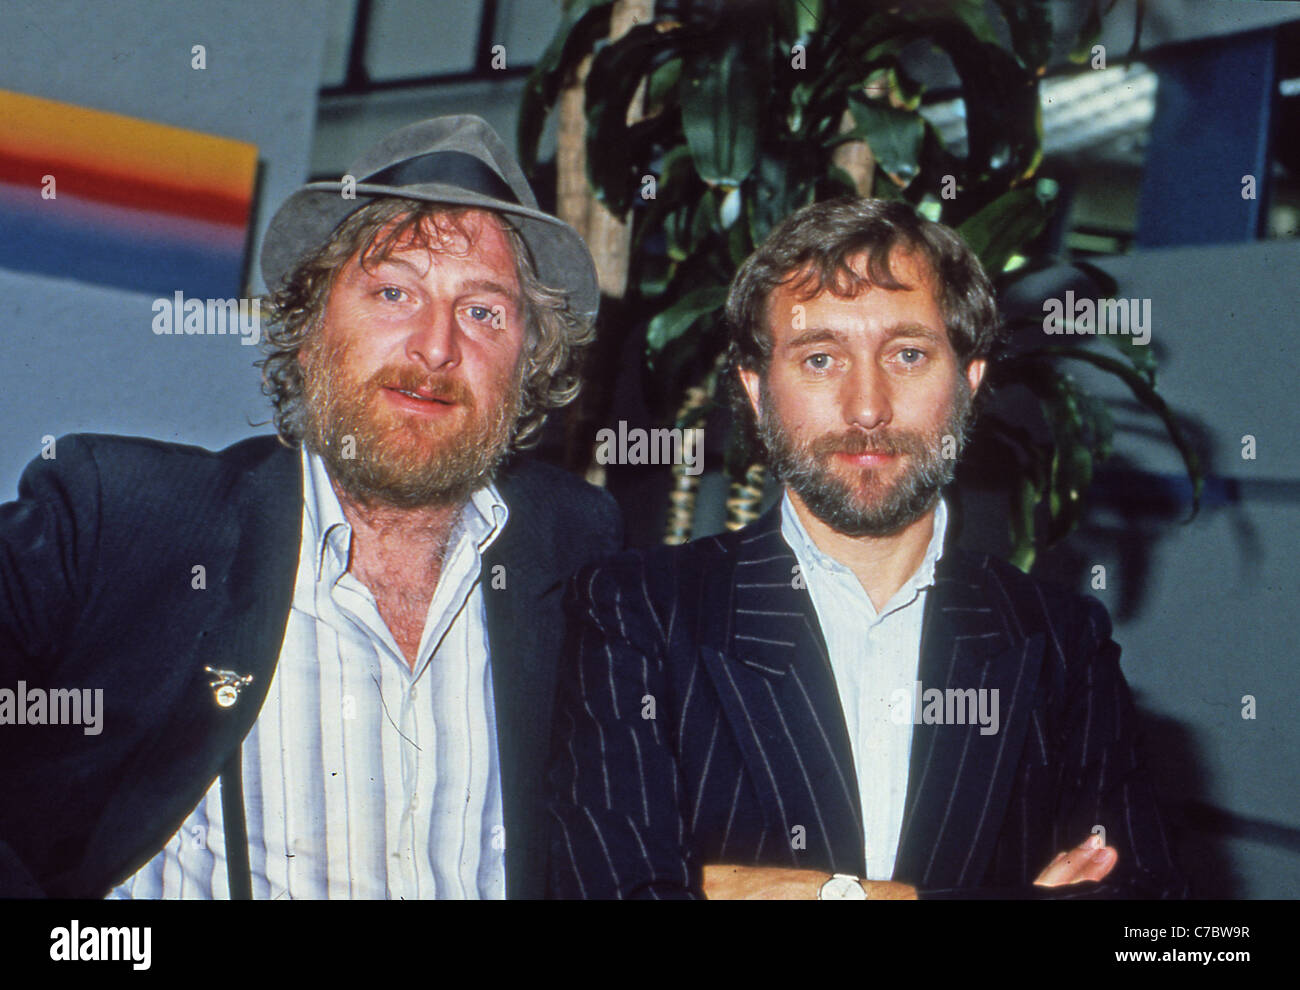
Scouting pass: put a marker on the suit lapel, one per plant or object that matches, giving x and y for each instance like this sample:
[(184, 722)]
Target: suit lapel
[(522, 602), (238, 621), (765, 654), (959, 777)]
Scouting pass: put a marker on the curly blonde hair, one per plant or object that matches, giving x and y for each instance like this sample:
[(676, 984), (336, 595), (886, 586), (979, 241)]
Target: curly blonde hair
[(556, 335)]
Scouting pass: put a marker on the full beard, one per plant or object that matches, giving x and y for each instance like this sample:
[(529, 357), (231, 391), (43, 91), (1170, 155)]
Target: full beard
[(864, 504), (377, 454)]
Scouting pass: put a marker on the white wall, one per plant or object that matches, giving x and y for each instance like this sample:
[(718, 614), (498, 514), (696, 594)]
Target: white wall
[(1217, 600), (75, 357)]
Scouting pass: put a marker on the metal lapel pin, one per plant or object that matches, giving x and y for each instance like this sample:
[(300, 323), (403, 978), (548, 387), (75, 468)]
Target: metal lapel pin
[(227, 685)]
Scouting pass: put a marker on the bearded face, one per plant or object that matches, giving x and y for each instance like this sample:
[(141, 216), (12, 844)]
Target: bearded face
[(378, 453), (863, 405), (862, 501), (412, 381)]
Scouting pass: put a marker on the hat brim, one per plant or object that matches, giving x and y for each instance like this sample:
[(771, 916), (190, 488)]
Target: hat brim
[(310, 216)]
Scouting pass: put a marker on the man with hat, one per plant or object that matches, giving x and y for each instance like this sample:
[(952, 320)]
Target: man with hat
[(328, 658)]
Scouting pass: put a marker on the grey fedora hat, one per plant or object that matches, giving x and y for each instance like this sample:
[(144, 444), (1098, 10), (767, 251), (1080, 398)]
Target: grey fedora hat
[(458, 160)]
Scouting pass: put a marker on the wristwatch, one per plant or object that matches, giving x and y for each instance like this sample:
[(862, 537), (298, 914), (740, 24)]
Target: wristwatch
[(842, 887)]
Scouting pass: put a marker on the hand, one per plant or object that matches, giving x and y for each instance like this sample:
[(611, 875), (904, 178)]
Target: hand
[(771, 883), (1090, 860)]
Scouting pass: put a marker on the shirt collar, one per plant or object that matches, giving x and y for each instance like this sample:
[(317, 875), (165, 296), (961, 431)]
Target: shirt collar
[(329, 533), (792, 529)]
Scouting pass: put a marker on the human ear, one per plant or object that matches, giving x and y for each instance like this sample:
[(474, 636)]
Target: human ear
[(752, 382)]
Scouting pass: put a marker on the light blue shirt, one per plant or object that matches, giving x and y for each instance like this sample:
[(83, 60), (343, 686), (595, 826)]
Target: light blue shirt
[(873, 655), (363, 778)]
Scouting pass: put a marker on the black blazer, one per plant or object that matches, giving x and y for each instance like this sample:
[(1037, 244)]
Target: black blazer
[(96, 591), (699, 723)]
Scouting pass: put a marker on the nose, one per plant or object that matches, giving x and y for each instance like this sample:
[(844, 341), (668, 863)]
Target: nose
[(434, 338), (865, 398)]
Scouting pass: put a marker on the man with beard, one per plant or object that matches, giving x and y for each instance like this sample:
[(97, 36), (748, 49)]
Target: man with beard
[(328, 658), (835, 702)]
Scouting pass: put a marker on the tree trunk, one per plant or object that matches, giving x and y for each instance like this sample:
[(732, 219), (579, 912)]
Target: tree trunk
[(608, 237), (855, 158)]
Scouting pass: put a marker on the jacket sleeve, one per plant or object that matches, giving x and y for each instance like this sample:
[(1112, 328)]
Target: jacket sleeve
[(47, 547), (616, 829), (1097, 778), (610, 525)]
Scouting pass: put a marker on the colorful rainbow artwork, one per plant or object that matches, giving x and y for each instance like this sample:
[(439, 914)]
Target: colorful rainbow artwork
[(114, 200)]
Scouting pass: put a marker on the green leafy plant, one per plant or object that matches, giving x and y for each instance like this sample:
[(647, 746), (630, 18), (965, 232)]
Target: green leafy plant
[(745, 107)]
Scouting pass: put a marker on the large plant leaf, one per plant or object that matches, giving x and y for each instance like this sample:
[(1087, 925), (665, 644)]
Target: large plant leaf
[(1140, 356), (1010, 452), (724, 90), (785, 180), (1030, 23), (1073, 450), (677, 189), (800, 18), (613, 147), (662, 84), (1025, 499), (893, 135), (844, 60), (583, 23), (1102, 287), (1102, 281), (1004, 226), (685, 360), (678, 318), (1143, 392), (1073, 458), (1003, 115), (968, 16)]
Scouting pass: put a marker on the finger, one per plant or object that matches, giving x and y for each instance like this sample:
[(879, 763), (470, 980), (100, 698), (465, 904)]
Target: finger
[(1067, 867), (1057, 869), (1087, 861), (1101, 863)]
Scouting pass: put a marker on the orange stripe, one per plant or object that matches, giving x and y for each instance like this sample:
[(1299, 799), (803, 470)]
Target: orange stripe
[(138, 150)]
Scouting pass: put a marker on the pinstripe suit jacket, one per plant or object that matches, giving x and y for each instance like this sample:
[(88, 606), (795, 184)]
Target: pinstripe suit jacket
[(699, 723)]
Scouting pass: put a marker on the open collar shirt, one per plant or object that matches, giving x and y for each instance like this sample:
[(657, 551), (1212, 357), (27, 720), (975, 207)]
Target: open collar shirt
[(875, 656), (363, 778)]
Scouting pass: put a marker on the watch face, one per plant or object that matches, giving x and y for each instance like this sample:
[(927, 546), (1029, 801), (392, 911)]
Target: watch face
[(842, 888)]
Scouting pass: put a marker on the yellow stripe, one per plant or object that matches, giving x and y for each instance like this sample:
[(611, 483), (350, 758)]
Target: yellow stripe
[(128, 146)]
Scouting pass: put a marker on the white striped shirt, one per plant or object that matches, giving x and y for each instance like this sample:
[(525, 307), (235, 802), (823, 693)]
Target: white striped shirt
[(363, 778), (873, 655)]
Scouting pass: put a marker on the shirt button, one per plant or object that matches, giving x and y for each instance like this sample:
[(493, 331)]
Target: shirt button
[(413, 693)]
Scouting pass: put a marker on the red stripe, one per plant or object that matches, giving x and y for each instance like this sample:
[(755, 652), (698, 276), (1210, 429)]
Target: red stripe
[(87, 182)]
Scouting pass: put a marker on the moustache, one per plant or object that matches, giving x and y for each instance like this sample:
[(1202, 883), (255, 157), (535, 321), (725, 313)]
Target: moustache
[(441, 386), (893, 443)]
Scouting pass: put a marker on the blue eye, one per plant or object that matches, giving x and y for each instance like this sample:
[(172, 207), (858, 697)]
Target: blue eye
[(912, 350), (818, 362), (391, 293), (480, 313)]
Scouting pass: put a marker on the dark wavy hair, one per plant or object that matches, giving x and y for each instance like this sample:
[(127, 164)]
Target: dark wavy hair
[(556, 335), (810, 251)]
